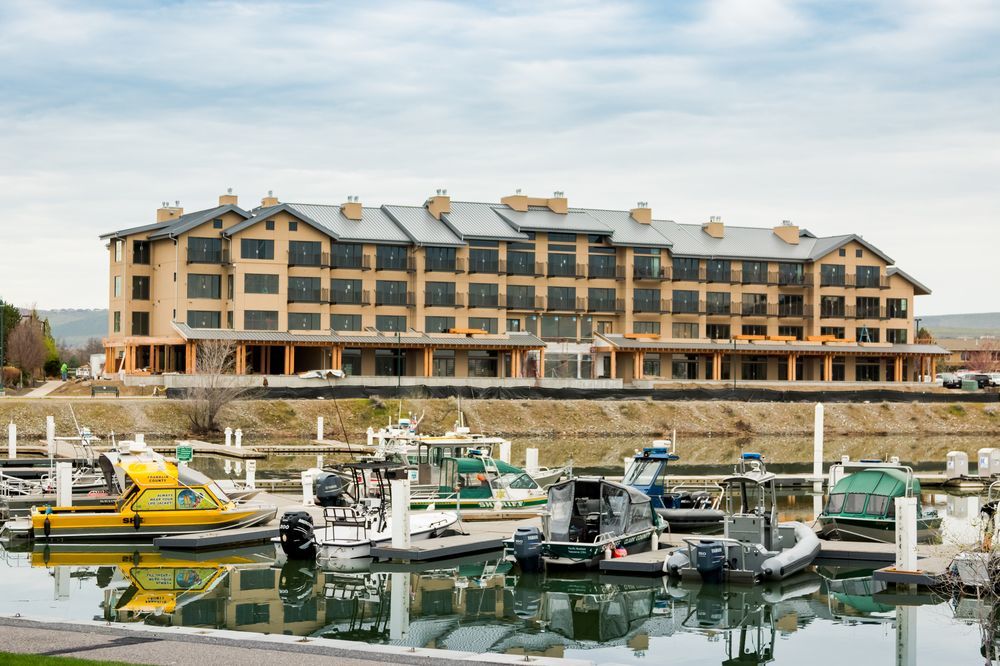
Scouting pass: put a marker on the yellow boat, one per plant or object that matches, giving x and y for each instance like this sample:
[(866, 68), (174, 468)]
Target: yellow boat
[(158, 499)]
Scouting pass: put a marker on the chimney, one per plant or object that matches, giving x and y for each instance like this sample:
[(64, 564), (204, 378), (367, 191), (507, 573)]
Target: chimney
[(351, 209), (438, 204), (516, 201), (642, 213), (269, 200), (228, 199), (557, 203), (787, 232), (714, 227), (168, 213)]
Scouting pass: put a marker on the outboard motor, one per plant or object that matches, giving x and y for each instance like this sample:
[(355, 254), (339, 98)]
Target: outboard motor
[(296, 535), (330, 489), (710, 560), (528, 548)]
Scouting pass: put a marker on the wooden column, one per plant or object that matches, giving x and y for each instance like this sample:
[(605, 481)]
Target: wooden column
[(335, 359), (614, 365), (790, 374), (637, 365), (933, 362), (897, 369), (291, 359), (428, 361), (541, 363)]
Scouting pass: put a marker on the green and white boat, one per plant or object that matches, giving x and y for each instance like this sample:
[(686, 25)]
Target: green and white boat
[(477, 482), (862, 506)]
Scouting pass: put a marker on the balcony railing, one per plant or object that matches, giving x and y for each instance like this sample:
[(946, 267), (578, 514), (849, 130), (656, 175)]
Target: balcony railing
[(308, 259), (876, 282), (566, 304), (457, 266), (363, 262), (755, 309), (484, 300), (531, 268), (485, 267), (513, 302), (350, 297), (839, 312), (210, 257), (614, 272), (718, 308), (321, 295), (687, 307), (789, 279), (640, 272), (394, 298), (405, 263), (605, 305), (446, 300), (566, 270)]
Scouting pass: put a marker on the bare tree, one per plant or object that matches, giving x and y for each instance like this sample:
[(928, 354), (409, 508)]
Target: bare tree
[(215, 385), (26, 347), (986, 358)]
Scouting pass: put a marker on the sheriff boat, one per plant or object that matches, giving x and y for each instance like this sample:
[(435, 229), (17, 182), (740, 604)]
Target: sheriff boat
[(478, 482)]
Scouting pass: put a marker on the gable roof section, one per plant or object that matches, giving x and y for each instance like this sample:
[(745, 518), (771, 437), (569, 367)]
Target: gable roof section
[(479, 220), (626, 231), (825, 246), (544, 220), (374, 226), (422, 227), (192, 220), (921, 288)]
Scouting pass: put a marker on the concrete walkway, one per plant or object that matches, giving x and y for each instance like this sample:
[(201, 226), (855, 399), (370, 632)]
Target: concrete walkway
[(45, 389)]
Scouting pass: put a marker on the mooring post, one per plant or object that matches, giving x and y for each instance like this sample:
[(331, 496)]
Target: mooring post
[(370, 436), (531, 461), (319, 461), (50, 436), (229, 436), (140, 439), (251, 479), (906, 533), (64, 484), (818, 443), (399, 605), (400, 509), (319, 428), (239, 438), (12, 440), (505, 451)]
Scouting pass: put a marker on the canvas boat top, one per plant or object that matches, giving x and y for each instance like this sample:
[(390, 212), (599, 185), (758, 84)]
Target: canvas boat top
[(869, 493)]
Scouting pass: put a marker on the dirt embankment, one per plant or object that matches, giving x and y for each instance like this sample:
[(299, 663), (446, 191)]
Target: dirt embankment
[(296, 419)]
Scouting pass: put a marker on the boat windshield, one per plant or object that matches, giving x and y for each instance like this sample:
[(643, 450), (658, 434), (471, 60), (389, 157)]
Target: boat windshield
[(217, 491), (641, 473), (515, 481)]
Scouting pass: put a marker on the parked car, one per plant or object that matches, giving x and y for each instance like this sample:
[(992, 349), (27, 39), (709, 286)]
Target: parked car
[(981, 379), (950, 380), (83, 372), (994, 378)]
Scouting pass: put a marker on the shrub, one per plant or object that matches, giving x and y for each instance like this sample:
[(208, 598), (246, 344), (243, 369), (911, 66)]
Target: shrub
[(956, 409)]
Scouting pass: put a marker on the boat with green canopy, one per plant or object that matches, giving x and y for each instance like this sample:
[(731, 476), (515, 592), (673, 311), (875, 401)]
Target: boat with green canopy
[(862, 505), (478, 482)]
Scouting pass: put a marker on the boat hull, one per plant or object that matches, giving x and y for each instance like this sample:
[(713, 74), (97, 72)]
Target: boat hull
[(112, 525), (449, 504), (343, 546), (588, 555), (843, 528)]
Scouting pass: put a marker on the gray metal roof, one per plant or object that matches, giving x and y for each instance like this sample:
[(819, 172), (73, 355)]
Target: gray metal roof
[(411, 338), (421, 227), (750, 347), (479, 220), (893, 270), (626, 231), (543, 219), (191, 220), (132, 230), (373, 227)]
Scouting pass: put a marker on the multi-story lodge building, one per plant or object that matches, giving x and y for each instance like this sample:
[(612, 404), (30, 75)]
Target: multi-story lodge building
[(524, 287)]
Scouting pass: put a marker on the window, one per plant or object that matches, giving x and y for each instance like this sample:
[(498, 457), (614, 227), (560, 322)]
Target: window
[(684, 366), (520, 297), (204, 286), (117, 325), (482, 363), (438, 324), (754, 272), (685, 330), (754, 367), (140, 287), (351, 362), (216, 224), (260, 320), (229, 319), (140, 323), (866, 369), (488, 324), (602, 265), (269, 225), (791, 332), (345, 322), (204, 319), (230, 290), (685, 301), (685, 268), (646, 267), (562, 298), (651, 365), (858, 253), (877, 504), (831, 306), (443, 363), (790, 305), (257, 579), (559, 327), (836, 331), (646, 300), (293, 225), (482, 295), (754, 329), (389, 362), (345, 292), (140, 252), (646, 327), (855, 503), (754, 305), (303, 321), (390, 292), (440, 258), (842, 252), (440, 293), (561, 264), (836, 503), (790, 274), (719, 270), (600, 300), (896, 336), (867, 307), (117, 286), (260, 283), (718, 302), (304, 290), (865, 334), (562, 238), (305, 253), (390, 258), (831, 275), (390, 323), (119, 249), (867, 276), (895, 308), (257, 248), (513, 325), (204, 250), (520, 263), (717, 331), (346, 255), (483, 260)]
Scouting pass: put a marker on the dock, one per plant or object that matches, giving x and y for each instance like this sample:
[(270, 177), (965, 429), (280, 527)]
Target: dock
[(216, 540), (480, 537)]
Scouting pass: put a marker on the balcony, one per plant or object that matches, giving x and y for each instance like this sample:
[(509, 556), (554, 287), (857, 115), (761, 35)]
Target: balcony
[(395, 298), (486, 267), (456, 266), (566, 304), (206, 256), (614, 272), (309, 296), (526, 268), (316, 259), (566, 270), (793, 309), (406, 263), (350, 298), (362, 263), (528, 303), (656, 305), (443, 300), (755, 309), (717, 309), (834, 312), (790, 279), (875, 282), (605, 305), (686, 307), (650, 273), (484, 301)]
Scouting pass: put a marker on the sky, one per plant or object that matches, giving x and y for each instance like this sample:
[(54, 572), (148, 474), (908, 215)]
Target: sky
[(875, 118)]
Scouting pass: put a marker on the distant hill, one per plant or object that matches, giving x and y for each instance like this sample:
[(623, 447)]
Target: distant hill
[(75, 327), (963, 325)]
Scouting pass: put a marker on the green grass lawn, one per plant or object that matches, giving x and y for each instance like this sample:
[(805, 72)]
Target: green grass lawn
[(13, 659)]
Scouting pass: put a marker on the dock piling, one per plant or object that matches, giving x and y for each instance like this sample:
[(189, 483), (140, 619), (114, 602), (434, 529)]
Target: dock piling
[(319, 428), (400, 491), (505, 451), (906, 533), (239, 438), (251, 478), (399, 605), (64, 484), (229, 436), (12, 440), (307, 488), (50, 435), (531, 461)]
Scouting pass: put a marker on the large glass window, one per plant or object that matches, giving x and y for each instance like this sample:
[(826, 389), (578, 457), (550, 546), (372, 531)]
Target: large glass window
[(390, 323), (390, 292), (444, 363), (867, 307), (602, 265), (440, 258), (754, 367), (754, 305), (754, 272), (303, 321), (440, 293), (488, 324), (867, 276), (717, 331), (260, 320), (345, 322), (204, 286), (140, 323), (791, 332), (600, 300), (117, 325), (685, 301), (562, 298), (305, 253), (831, 275), (483, 295), (484, 260), (896, 336), (257, 248), (345, 292), (140, 252), (646, 300), (204, 319), (561, 264), (346, 255), (790, 305), (831, 306), (520, 263), (895, 308), (559, 327), (646, 327), (438, 324), (754, 330), (304, 290), (718, 302), (836, 331), (390, 258), (204, 250), (520, 297), (482, 363), (389, 362), (866, 369), (791, 274), (685, 330), (646, 267), (685, 268), (117, 289), (350, 362), (140, 287), (260, 283), (719, 270)]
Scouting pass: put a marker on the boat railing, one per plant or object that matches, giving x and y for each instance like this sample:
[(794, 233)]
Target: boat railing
[(701, 486), (349, 517)]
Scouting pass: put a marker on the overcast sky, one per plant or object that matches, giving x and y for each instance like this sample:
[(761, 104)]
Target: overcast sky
[(877, 118)]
